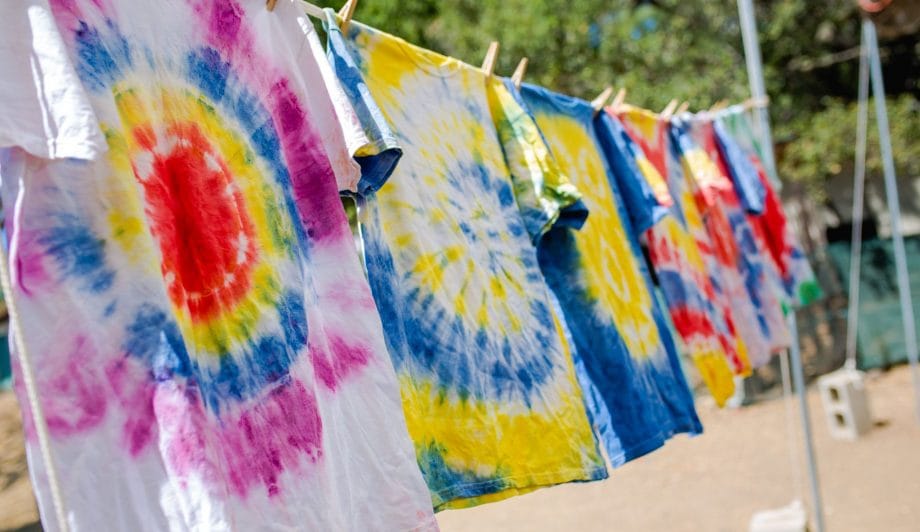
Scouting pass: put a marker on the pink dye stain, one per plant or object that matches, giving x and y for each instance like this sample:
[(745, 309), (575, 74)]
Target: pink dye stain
[(335, 359), (312, 178), (249, 448), (68, 14), (72, 399), (349, 296), (30, 273), (76, 397), (134, 390)]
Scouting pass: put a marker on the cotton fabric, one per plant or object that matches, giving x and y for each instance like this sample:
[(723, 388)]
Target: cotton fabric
[(695, 303), (731, 232), (208, 353), (772, 226), (45, 109), (600, 279), (668, 149), (487, 382)]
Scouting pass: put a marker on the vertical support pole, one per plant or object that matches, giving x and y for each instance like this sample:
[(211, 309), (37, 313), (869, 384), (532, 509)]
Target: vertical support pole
[(755, 79), (762, 123), (891, 193), (859, 187), (798, 377), (795, 457)]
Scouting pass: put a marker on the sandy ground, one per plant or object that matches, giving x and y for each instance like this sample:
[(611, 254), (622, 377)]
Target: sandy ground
[(17, 505), (710, 483), (740, 465)]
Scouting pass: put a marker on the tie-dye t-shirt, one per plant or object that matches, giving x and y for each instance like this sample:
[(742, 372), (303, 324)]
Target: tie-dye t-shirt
[(488, 386), (681, 244), (716, 243), (752, 199), (776, 231), (731, 231), (207, 350), (599, 277), (679, 267)]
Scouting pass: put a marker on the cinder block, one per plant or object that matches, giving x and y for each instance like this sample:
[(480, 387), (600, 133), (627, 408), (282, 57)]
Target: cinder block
[(846, 404)]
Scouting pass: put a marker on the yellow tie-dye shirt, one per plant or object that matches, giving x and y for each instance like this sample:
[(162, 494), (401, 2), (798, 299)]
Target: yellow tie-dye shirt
[(599, 276), (488, 385)]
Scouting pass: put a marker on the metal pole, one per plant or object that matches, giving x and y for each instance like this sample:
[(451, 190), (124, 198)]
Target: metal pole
[(859, 184), (798, 376), (891, 193), (762, 122), (755, 79), (795, 458)]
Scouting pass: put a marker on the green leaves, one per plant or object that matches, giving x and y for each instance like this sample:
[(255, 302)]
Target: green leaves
[(825, 140)]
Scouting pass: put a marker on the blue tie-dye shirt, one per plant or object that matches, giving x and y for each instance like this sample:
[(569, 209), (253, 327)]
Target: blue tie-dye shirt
[(599, 275)]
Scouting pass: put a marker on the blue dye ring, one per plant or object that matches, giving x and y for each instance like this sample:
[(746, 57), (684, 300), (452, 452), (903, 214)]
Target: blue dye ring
[(232, 376), (426, 339), (77, 252), (101, 60)]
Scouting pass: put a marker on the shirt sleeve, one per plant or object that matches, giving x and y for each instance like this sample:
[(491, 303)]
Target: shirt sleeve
[(743, 173), (45, 109), (623, 156), (372, 141), (543, 192), (327, 105)]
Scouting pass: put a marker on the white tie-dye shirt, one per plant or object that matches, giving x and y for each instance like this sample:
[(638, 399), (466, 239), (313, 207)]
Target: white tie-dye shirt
[(207, 351)]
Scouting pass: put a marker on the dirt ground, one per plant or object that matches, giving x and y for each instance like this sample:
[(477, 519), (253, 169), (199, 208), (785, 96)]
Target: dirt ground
[(17, 505), (714, 482)]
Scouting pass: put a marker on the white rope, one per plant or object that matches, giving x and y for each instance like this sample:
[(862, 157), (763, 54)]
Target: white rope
[(28, 379), (859, 184)]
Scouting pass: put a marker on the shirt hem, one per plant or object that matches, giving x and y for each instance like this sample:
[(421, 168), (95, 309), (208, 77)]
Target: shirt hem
[(643, 448), (493, 487)]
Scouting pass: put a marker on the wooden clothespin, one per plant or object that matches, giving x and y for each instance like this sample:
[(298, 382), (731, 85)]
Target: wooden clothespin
[(601, 100), (682, 108), (751, 103), (270, 4), (668, 111), (346, 13), (519, 72), (488, 64), (718, 106), (618, 99)]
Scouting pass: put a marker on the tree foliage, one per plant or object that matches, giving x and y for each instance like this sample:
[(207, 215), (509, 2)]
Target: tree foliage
[(687, 50)]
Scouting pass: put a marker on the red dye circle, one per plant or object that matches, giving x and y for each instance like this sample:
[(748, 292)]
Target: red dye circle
[(198, 217)]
